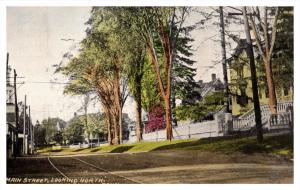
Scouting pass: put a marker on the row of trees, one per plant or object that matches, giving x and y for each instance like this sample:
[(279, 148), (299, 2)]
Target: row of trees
[(144, 47), (147, 49), (81, 128)]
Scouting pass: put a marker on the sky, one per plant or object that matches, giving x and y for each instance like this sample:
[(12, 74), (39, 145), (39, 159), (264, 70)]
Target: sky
[(34, 43)]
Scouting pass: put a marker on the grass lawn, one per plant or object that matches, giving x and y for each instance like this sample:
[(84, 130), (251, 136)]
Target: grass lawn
[(279, 144)]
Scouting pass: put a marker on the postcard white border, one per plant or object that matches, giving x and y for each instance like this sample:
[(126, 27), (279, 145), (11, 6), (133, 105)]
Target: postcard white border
[(6, 3)]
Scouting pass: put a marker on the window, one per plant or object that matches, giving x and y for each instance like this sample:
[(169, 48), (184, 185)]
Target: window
[(242, 99), (10, 117), (285, 91)]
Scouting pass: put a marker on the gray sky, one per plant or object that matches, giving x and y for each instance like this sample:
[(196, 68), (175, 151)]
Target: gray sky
[(34, 42)]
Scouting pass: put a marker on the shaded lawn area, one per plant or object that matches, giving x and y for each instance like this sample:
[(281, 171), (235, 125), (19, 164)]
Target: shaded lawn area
[(281, 144), (276, 144)]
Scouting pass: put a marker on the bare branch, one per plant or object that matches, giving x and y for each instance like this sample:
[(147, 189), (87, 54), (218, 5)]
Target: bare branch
[(274, 31), (257, 38), (236, 9), (265, 28)]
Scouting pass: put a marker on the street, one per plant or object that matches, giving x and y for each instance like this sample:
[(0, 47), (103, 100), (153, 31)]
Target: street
[(152, 167)]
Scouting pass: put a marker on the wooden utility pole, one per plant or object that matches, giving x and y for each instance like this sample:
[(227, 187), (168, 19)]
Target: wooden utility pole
[(7, 60), (250, 54), (31, 132), (33, 145), (24, 129), (16, 112), (222, 31)]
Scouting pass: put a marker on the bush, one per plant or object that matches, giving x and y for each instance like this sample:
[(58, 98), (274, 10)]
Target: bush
[(156, 120)]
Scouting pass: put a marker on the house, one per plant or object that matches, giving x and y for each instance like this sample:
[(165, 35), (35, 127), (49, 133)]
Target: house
[(11, 124), (60, 126), (240, 84), (204, 89)]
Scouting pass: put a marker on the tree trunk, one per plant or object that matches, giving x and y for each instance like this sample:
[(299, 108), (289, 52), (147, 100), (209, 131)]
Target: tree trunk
[(259, 131), (117, 103), (116, 131), (108, 123), (164, 89), (271, 87), (138, 128), (168, 118), (120, 125), (173, 102), (224, 65), (266, 52)]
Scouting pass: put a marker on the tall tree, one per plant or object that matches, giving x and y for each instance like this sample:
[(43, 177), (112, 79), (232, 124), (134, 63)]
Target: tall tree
[(160, 28), (265, 40), (87, 76), (100, 65), (283, 56), (136, 72), (224, 64), (250, 55), (183, 73)]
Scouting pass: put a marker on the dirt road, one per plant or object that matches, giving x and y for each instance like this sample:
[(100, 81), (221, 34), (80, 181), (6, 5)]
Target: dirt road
[(152, 167)]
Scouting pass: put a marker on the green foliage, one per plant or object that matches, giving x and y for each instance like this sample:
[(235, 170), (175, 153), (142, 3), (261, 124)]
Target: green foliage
[(96, 124), (51, 128), (39, 135), (74, 131), (58, 137), (78, 129), (211, 103), (47, 131), (191, 112), (101, 52), (215, 98), (183, 71), (283, 58), (150, 92)]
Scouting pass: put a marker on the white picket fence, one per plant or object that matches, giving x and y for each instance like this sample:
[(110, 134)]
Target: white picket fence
[(199, 130), (195, 130), (223, 124)]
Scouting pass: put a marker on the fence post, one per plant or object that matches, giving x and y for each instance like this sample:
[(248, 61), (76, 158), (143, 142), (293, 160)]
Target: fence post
[(228, 123), (291, 119), (219, 119)]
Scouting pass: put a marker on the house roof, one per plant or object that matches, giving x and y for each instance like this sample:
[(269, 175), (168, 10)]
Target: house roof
[(206, 88), (238, 50)]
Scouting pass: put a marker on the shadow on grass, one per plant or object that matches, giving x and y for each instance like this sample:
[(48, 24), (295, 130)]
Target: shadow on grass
[(95, 150), (244, 144), (271, 144), (57, 150), (79, 149), (197, 143), (121, 149)]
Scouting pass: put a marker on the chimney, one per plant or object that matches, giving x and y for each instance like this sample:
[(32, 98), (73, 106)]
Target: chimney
[(213, 77)]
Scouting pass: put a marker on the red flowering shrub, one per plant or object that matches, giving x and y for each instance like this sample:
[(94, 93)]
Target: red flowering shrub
[(156, 120)]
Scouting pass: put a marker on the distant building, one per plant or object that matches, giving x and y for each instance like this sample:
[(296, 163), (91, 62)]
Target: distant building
[(60, 126), (204, 89), (11, 124)]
